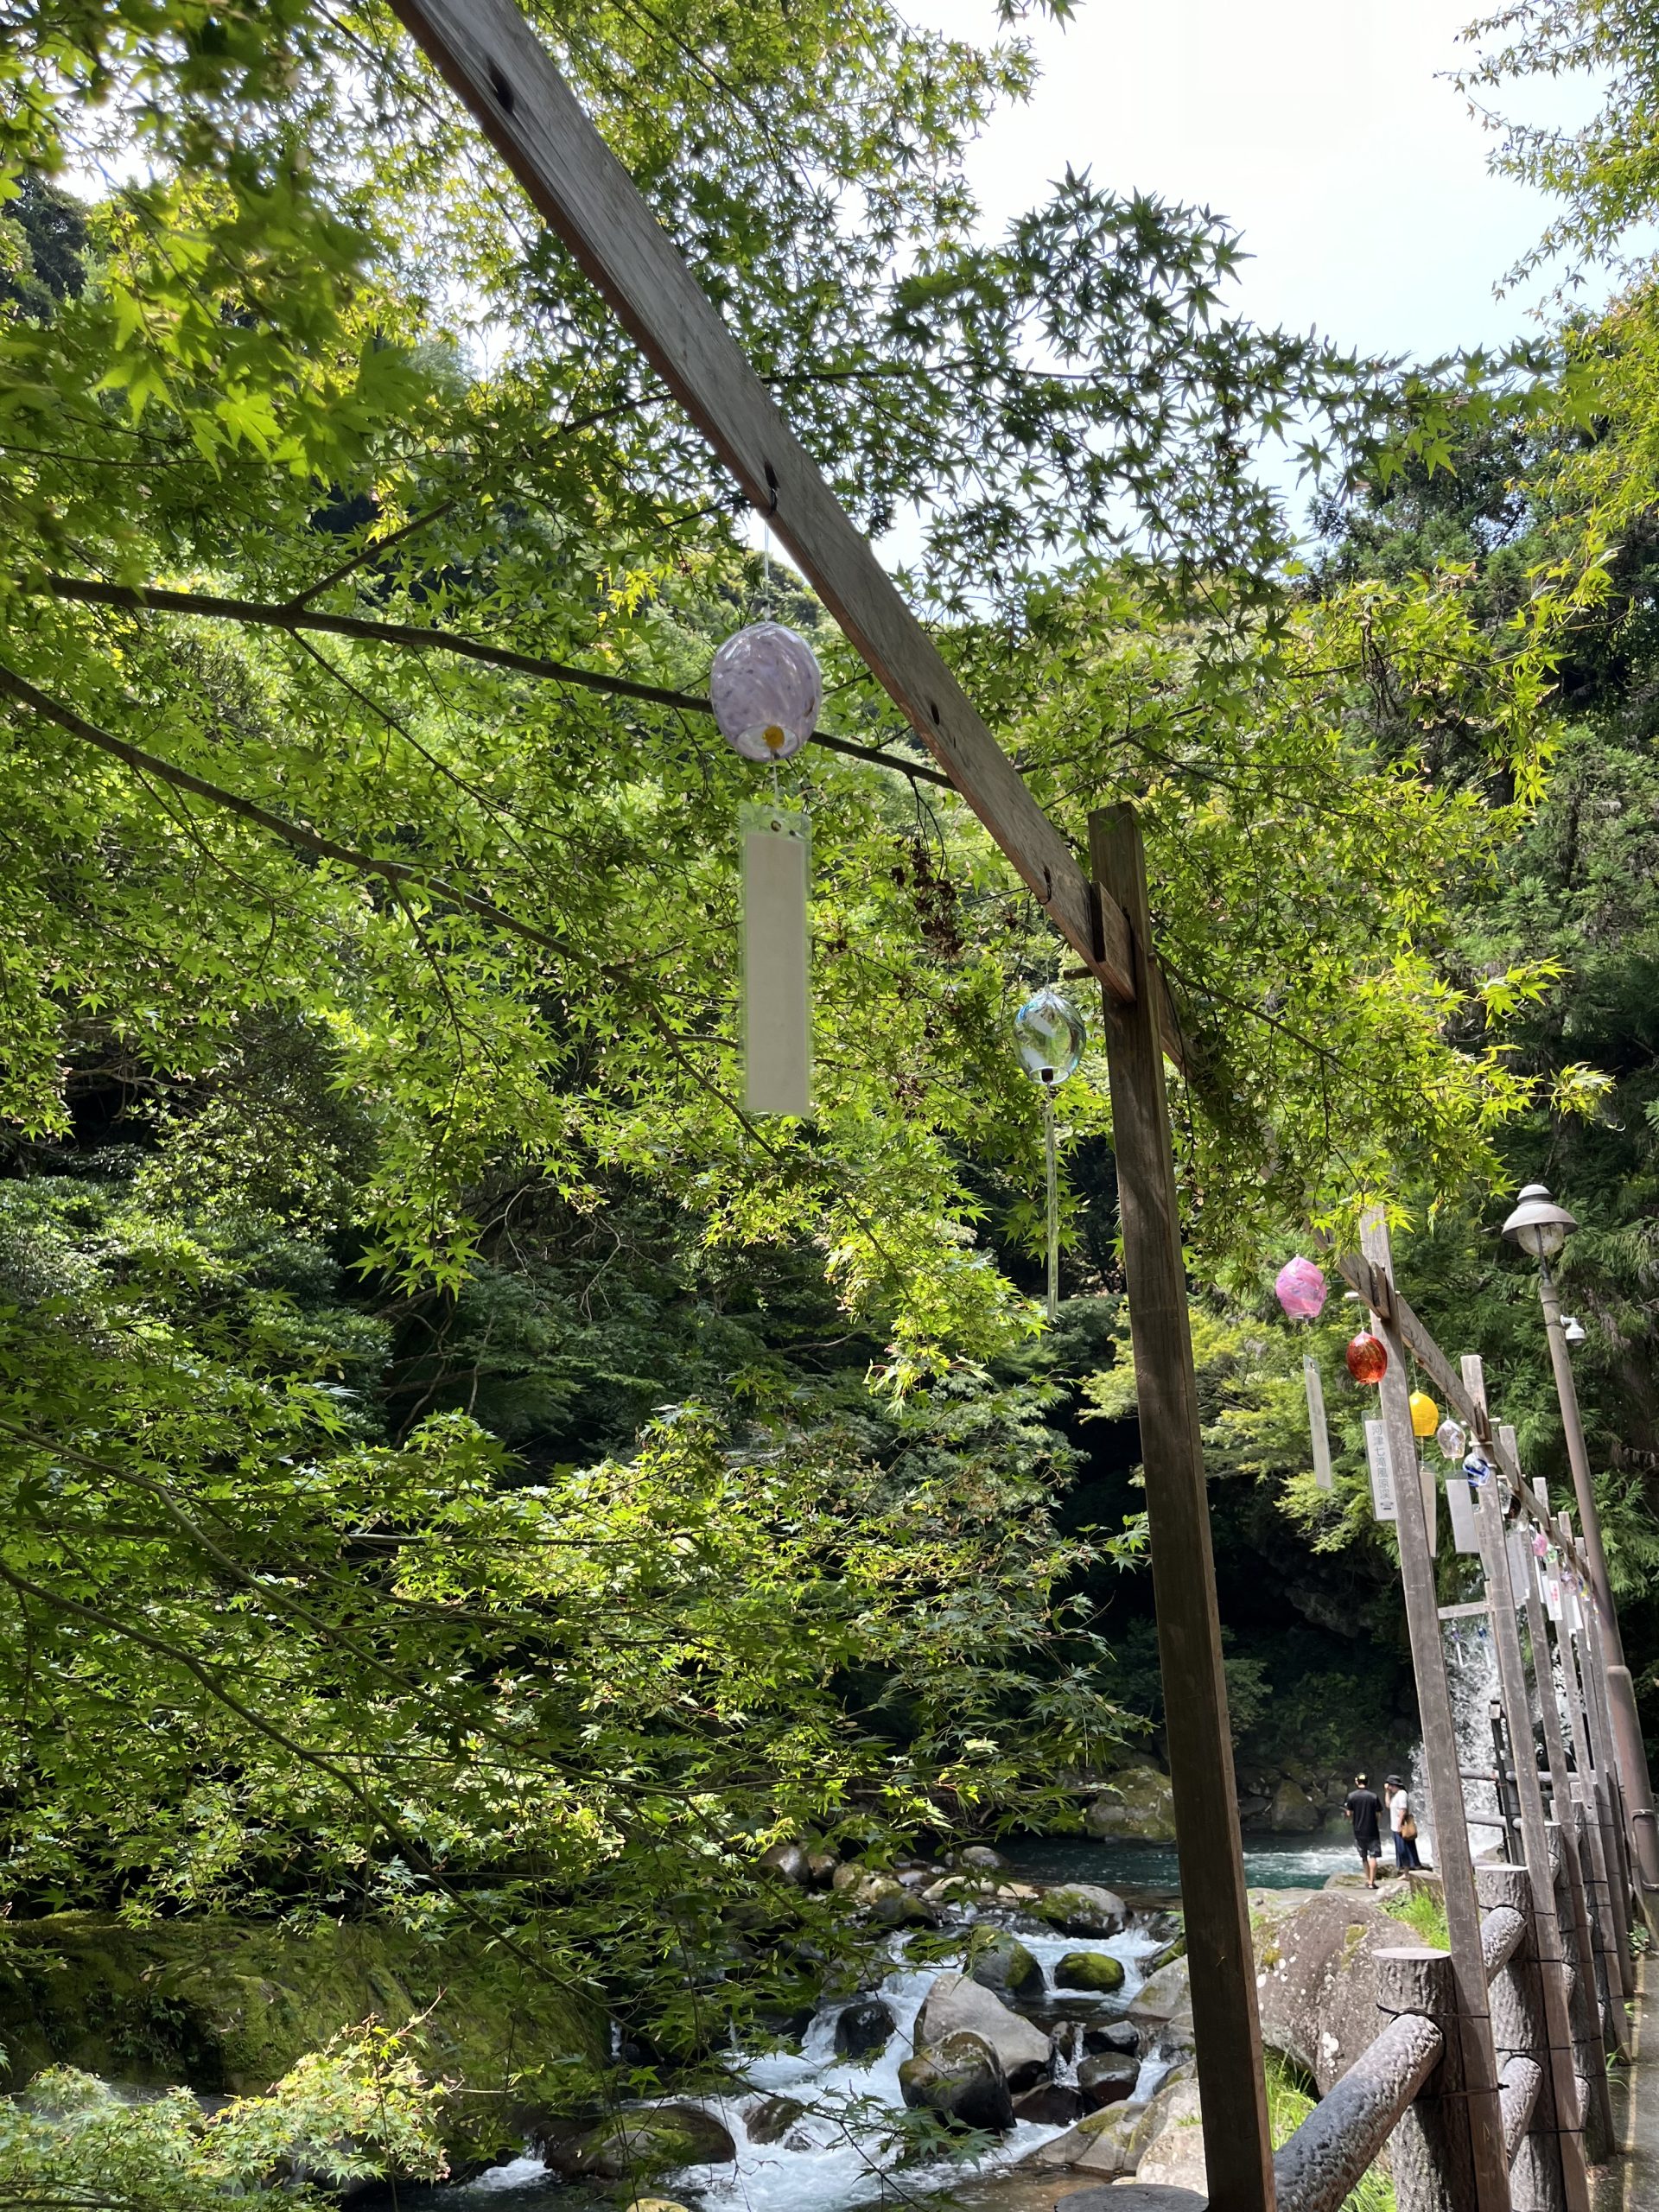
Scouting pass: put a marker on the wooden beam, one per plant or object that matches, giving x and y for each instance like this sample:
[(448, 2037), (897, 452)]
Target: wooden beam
[(1489, 2160), (495, 63), (1238, 2150)]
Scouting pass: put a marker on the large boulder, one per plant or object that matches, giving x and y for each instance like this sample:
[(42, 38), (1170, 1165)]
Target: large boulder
[(956, 2005), (771, 2118), (1316, 1975), (1135, 1802), (1082, 1909), (1111, 2035), (862, 2028), (1108, 2080), (881, 1898), (1174, 2157), (1097, 1970), (1113, 2142), (1050, 2104), (959, 2078), (650, 2140), (1165, 2003), (1292, 1812), (1000, 1962)]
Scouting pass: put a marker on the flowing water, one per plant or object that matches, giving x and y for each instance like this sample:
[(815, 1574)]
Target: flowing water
[(1471, 1678), (838, 2153), (1141, 1871)]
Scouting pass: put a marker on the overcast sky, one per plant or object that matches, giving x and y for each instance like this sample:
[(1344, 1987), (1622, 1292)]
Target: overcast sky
[(1324, 130)]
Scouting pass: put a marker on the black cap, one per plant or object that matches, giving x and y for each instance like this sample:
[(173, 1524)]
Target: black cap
[(1394, 1783)]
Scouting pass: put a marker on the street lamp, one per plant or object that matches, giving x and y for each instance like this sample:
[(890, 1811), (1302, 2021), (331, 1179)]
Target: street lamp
[(1573, 1330), (1540, 1227)]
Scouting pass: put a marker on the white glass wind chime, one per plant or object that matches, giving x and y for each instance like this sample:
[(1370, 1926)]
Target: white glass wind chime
[(1049, 1035), (765, 689)]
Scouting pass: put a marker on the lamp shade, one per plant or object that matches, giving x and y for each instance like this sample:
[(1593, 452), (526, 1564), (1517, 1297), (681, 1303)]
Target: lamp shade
[(1538, 1225), (1425, 1414), (1573, 1330), (1367, 1357), (1300, 1288), (1049, 1035), (765, 689)]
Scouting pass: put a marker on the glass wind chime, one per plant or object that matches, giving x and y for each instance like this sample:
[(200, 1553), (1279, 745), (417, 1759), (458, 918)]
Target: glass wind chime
[(1300, 1287), (765, 689), (1049, 1036)]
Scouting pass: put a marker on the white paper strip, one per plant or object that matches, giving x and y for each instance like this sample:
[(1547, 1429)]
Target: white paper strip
[(1316, 1423), (1460, 1505), (776, 850), (1521, 1564), (1376, 1454)]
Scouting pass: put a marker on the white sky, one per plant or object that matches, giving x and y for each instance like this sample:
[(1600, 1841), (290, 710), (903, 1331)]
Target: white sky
[(1324, 130)]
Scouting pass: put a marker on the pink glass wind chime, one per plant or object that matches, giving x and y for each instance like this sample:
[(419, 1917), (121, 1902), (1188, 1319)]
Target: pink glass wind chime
[(1049, 1036), (765, 689), (1300, 1288)]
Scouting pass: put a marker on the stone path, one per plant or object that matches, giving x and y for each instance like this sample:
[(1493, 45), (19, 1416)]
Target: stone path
[(1630, 2180)]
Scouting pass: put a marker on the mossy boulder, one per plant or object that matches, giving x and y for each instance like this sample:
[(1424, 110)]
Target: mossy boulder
[(1135, 1802), (1097, 1970), (1082, 1909), (1000, 1962), (228, 2006), (654, 2140)]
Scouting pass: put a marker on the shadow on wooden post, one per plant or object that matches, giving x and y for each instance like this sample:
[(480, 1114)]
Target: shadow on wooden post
[(1238, 2148)]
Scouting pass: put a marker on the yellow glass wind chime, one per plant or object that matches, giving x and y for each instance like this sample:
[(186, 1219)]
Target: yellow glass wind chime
[(765, 689)]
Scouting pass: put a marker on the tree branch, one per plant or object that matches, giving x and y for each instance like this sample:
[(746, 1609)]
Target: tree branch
[(294, 615)]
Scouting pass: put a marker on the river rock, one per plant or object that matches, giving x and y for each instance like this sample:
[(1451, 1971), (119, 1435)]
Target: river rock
[(1137, 1801), (863, 2028), (787, 1860), (983, 1859), (1114, 2141), (1050, 2104), (1097, 1970), (1174, 2157), (959, 2078), (955, 2005), (1165, 2002), (1111, 2035), (1000, 1962), (1108, 2080), (885, 1900), (1316, 1975), (1292, 1812), (1081, 1908), (771, 2118), (657, 2136)]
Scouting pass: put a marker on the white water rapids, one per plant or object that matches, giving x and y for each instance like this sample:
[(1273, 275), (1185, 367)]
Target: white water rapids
[(834, 2155)]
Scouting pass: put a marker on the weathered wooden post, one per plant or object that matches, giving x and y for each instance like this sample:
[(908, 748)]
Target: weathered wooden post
[(1576, 1646), (1237, 2148), (1587, 1827), (1477, 2067), (1432, 2151), (1559, 2112), (1521, 2031)]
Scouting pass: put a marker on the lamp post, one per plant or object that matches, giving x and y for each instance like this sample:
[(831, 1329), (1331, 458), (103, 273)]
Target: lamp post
[(1540, 1227)]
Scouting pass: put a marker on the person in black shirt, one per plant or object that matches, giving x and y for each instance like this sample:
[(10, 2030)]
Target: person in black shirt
[(1365, 1809)]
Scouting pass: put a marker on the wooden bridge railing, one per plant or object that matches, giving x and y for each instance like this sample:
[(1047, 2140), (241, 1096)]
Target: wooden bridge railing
[(1407, 2088)]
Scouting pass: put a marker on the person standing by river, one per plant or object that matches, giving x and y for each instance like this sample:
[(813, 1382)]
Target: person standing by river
[(1364, 1809), (1402, 1824)]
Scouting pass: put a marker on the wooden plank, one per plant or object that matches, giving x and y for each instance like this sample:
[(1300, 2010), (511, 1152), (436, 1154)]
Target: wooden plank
[(1564, 2121), (1452, 1860), (493, 59), (1238, 2150)]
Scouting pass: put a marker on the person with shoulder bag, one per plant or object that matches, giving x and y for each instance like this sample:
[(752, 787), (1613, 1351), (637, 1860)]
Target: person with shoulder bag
[(1402, 1825)]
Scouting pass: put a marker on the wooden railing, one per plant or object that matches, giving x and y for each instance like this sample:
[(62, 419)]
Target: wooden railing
[(1406, 2090)]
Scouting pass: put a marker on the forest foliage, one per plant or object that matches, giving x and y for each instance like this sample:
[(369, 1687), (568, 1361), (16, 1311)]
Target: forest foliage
[(457, 1463)]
